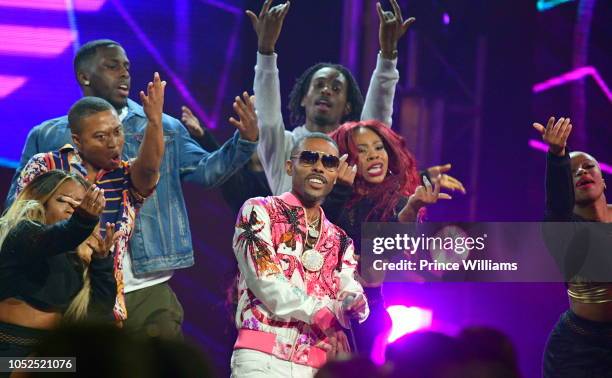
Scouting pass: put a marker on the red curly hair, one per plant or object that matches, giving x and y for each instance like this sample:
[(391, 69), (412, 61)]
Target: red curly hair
[(401, 180)]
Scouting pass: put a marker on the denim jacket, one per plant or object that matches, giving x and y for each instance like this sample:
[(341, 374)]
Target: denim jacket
[(161, 239)]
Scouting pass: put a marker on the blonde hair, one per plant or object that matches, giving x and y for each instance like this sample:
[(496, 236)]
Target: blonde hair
[(30, 206), (77, 310)]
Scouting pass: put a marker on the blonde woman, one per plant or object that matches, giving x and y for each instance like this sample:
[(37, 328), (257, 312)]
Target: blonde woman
[(42, 277)]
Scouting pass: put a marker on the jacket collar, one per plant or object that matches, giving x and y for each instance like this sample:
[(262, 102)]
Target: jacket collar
[(290, 199), (134, 109)]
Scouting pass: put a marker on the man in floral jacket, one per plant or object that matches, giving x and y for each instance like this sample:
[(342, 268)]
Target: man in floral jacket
[(297, 288)]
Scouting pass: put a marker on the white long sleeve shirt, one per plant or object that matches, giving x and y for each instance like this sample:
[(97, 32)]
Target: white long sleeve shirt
[(276, 143)]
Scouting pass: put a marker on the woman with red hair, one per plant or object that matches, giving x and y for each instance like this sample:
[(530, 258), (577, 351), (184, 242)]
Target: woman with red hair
[(386, 188)]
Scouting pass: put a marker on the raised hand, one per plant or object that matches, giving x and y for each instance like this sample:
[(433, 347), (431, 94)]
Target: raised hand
[(422, 196), (153, 101), (191, 122), (247, 119), (437, 173), (268, 25), (101, 247), (392, 28), (346, 173), (92, 204), (555, 134)]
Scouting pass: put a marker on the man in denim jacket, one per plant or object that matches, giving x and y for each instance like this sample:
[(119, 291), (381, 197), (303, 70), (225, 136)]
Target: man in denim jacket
[(162, 240)]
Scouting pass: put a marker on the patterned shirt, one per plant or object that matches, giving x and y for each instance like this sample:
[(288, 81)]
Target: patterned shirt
[(277, 294), (122, 202)]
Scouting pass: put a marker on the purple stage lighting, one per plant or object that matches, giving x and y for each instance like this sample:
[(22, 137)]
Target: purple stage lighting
[(406, 320), (54, 5), (445, 18), (541, 146), (574, 75), (34, 41), (9, 84)]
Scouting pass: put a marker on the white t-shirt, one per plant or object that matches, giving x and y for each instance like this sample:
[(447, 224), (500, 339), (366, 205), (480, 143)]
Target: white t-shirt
[(130, 280)]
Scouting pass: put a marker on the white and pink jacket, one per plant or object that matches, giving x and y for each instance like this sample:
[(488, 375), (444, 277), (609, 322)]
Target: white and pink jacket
[(284, 309)]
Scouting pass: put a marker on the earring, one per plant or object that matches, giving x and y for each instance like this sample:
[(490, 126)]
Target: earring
[(86, 83)]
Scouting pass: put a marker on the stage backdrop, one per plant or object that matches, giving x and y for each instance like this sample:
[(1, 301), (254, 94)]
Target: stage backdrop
[(537, 52)]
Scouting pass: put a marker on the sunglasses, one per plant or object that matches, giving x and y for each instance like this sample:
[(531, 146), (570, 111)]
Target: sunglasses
[(308, 158)]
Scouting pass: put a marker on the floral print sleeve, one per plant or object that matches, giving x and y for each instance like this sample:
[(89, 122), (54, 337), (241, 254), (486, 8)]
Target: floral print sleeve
[(38, 164), (349, 285), (260, 267)]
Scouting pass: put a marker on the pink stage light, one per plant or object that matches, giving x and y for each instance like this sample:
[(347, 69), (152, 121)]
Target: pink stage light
[(34, 41), (574, 75), (407, 320), (56, 5), (9, 84), (541, 146), (445, 18)]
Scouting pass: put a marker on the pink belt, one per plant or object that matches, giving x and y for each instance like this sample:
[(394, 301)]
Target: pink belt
[(266, 342)]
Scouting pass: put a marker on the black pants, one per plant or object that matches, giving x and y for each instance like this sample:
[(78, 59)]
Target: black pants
[(376, 324), (578, 348), (18, 341)]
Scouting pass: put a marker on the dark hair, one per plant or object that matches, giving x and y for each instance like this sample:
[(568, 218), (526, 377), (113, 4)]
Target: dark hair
[(424, 355), (358, 366), (353, 94), (490, 348), (124, 355), (88, 51), (401, 180), (84, 108), (314, 135)]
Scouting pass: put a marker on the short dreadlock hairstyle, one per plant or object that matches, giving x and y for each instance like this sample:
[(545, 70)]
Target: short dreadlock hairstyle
[(353, 94)]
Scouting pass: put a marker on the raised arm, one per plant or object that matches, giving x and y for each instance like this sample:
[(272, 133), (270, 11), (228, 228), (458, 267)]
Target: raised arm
[(145, 168), (213, 169), (29, 241), (379, 99), (335, 202), (274, 141), (199, 133), (559, 187)]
